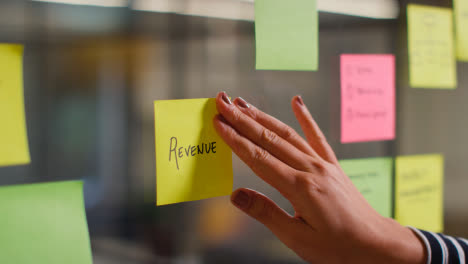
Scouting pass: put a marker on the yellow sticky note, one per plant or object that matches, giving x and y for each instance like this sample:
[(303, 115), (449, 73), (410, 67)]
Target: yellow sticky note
[(192, 161), (419, 191), (461, 25), (432, 61), (14, 149)]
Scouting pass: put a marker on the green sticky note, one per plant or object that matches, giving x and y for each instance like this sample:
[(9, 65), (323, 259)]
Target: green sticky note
[(192, 160), (431, 49), (461, 24), (44, 224), (373, 178), (419, 182), (286, 34)]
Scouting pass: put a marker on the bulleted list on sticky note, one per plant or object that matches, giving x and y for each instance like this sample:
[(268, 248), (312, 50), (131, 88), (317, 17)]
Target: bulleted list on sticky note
[(14, 149), (419, 191), (460, 8), (44, 223), (373, 178), (431, 51), (286, 35), (367, 97), (192, 161)]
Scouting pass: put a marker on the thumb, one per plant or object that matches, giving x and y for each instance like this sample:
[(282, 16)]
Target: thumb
[(267, 212)]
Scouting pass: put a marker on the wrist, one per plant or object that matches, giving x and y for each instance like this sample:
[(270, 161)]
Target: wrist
[(400, 244)]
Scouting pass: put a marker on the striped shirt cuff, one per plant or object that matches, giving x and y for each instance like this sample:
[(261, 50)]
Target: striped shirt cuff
[(442, 249)]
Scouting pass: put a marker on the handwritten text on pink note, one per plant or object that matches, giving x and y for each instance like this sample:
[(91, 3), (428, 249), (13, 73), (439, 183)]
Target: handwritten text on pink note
[(367, 97)]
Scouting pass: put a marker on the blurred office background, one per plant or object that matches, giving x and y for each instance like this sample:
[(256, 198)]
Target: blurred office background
[(92, 73)]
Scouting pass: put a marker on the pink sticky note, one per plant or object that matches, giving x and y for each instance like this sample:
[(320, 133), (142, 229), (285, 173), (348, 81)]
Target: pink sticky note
[(367, 97)]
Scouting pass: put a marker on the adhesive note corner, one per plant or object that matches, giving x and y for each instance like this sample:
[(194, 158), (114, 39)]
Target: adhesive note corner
[(367, 97), (431, 50), (460, 8), (44, 223), (286, 34), (14, 149), (373, 178), (419, 191), (192, 161)]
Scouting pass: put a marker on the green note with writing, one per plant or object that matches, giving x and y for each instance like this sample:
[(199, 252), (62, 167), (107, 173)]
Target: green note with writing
[(286, 34), (44, 224), (373, 178)]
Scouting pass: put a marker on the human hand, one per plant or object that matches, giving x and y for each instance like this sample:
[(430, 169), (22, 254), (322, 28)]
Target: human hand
[(333, 223)]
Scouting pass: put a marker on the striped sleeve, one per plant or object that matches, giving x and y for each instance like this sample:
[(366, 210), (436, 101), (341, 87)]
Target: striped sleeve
[(442, 249)]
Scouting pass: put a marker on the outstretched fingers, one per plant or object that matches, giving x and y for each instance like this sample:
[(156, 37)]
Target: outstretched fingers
[(262, 136)]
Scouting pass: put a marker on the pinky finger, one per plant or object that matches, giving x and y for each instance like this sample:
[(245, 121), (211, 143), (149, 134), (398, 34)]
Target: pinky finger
[(312, 131)]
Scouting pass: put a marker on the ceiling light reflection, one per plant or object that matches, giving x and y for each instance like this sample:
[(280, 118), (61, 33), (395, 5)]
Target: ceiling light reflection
[(244, 9), (106, 3)]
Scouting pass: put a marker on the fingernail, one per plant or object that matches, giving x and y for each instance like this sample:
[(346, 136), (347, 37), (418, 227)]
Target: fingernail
[(242, 103), (225, 98), (241, 199), (299, 100)]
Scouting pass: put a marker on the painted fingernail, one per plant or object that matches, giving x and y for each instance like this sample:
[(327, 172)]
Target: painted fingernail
[(242, 103), (299, 100), (241, 199), (225, 98)]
